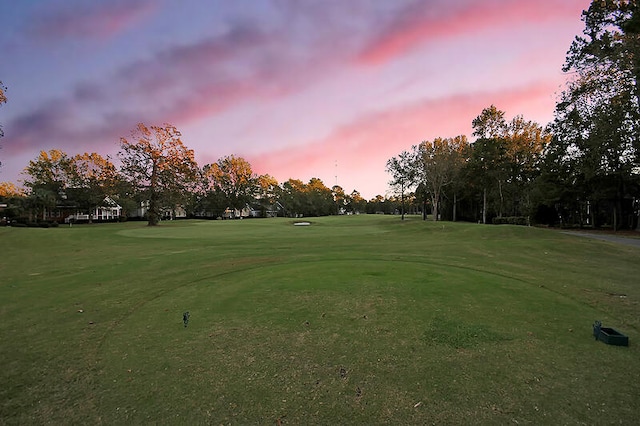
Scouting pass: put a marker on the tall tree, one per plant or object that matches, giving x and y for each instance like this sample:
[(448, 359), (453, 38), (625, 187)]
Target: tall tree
[(159, 165), (525, 142), (597, 124), (267, 186), (14, 199), (233, 178), (48, 178), (438, 164), (505, 159), (487, 158), (267, 194), (487, 164), (319, 198), (292, 197), (490, 124), (339, 197), (310, 199), (10, 190), (403, 174), (357, 204), (94, 178), (51, 169), (210, 200)]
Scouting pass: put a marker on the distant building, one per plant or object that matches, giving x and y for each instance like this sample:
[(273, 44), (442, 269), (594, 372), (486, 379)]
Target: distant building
[(166, 213), (109, 210)]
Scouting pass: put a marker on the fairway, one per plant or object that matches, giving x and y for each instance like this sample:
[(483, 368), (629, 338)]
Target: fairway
[(349, 320)]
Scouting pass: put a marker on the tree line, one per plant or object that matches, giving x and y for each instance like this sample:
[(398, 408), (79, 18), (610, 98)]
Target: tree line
[(158, 171), (492, 177), (583, 169)]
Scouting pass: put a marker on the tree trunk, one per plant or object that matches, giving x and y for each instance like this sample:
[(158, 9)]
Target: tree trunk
[(153, 202), (455, 203), (501, 197), (435, 201), (153, 211), (484, 206), (402, 198)]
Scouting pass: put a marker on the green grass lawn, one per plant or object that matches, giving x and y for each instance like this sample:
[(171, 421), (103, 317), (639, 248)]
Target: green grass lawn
[(351, 320)]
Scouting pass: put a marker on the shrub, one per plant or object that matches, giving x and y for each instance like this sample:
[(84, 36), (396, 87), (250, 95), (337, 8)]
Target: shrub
[(511, 220)]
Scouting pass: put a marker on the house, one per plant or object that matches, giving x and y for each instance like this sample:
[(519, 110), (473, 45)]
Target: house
[(232, 213), (166, 213), (270, 209), (177, 212), (108, 210)]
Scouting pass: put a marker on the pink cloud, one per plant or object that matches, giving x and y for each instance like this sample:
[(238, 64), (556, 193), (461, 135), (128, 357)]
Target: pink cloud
[(254, 63), (363, 146), (179, 85), (193, 81), (88, 19), (175, 84), (415, 25)]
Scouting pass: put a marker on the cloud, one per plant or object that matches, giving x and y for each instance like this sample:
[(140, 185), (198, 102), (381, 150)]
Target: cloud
[(179, 85), (56, 124), (420, 23), (363, 146), (190, 81), (257, 62), (80, 20)]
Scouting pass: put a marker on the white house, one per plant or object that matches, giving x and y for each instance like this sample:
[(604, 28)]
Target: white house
[(108, 210), (231, 213), (166, 213)]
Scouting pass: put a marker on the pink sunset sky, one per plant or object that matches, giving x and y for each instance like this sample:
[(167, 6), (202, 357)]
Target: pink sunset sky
[(300, 89)]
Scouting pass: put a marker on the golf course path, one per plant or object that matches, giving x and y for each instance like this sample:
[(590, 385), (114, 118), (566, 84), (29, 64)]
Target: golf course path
[(634, 242)]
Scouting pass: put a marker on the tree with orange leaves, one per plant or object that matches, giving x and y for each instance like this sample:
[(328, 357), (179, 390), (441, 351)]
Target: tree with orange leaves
[(232, 180), (3, 96), (10, 190), (94, 178), (161, 168)]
